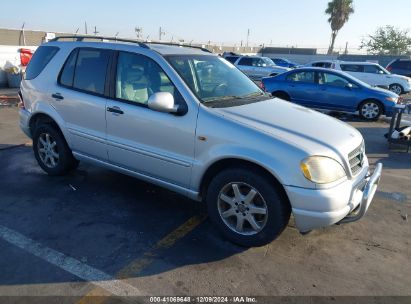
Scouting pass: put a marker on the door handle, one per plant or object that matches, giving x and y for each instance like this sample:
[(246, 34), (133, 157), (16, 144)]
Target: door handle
[(115, 110), (57, 96)]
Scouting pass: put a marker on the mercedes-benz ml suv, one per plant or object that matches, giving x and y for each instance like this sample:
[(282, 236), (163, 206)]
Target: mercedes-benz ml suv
[(189, 121)]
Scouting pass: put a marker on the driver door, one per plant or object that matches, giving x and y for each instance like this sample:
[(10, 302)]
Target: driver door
[(155, 144)]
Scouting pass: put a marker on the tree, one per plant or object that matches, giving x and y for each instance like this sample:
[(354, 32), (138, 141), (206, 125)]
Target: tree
[(388, 40), (339, 11)]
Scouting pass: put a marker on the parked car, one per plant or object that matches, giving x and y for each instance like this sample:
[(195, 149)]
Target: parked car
[(187, 120), (256, 67), (371, 73), (400, 67), (331, 90), (284, 62)]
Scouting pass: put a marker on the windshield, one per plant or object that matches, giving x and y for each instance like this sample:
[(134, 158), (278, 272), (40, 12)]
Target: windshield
[(213, 79), (268, 61)]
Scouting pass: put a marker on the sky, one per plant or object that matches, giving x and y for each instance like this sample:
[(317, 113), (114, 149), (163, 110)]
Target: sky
[(300, 23)]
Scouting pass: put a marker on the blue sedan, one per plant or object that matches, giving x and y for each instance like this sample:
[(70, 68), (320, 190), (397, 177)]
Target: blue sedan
[(331, 90)]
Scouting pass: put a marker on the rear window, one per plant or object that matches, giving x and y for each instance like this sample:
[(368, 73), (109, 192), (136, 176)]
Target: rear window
[(40, 59), (85, 70)]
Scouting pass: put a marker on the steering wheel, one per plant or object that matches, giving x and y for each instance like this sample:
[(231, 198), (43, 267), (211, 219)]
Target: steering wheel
[(220, 89)]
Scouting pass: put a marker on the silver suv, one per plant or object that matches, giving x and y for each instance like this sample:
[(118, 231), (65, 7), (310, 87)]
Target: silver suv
[(189, 121), (256, 67)]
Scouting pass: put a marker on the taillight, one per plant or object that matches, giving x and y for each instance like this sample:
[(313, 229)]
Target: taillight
[(21, 101)]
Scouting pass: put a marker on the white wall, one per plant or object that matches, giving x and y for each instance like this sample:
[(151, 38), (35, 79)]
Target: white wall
[(11, 54)]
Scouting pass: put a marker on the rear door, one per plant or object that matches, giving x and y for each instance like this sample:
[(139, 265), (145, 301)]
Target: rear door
[(155, 144), (80, 99), (302, 88)]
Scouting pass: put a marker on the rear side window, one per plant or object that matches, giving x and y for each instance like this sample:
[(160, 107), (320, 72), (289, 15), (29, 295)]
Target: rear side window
[(86, 70), (67, 74), (246, 61), (40, 59), (231, 59), (352, 68)]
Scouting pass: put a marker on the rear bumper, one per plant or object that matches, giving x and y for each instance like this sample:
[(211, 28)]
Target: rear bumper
[(347, 202), (25, 121)]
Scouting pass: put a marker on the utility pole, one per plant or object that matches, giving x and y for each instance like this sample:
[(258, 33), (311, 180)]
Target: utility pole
[(85, 27), (138, 31), (248, 37), (95, 31), (346, 48), (160, 33)]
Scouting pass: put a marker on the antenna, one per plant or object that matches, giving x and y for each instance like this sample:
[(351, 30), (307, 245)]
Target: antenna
[(138, 31), (160, 33)]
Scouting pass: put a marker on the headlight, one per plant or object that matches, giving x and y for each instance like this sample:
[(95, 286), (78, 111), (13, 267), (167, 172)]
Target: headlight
[(393, 99), (322, 169)]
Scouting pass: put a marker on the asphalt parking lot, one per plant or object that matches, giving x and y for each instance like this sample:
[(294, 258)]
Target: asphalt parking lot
[(96, 232)]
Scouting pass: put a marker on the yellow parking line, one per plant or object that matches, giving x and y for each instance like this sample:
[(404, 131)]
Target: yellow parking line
[(96, 295)]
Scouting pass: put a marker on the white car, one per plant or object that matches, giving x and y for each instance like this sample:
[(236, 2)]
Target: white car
[(371, 73)]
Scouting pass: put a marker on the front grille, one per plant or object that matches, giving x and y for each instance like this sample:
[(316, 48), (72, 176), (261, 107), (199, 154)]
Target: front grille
[(356, 159)]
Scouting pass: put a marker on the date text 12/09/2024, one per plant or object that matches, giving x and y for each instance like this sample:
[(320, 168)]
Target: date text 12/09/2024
[(202, 299)]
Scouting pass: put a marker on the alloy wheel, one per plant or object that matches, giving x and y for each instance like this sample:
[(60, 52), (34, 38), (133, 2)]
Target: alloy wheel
[(48, 150), (370, 110), (242, 208)]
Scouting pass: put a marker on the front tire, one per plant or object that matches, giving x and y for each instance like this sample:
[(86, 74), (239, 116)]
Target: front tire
[(51, 151), (370, 110), (247, 207), (397, 89)]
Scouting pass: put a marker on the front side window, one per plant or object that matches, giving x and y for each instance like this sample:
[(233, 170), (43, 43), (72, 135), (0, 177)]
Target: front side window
[(372, 69), (332, 80), (138, 77), (213, 79), (41, 58), (304, 77)]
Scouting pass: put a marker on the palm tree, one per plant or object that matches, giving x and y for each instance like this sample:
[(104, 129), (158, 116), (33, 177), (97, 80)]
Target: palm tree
[(339, 11)]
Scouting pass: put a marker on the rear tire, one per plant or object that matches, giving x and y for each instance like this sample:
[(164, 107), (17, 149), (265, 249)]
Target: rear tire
[(370, 110), (247, 207), (51, 150)]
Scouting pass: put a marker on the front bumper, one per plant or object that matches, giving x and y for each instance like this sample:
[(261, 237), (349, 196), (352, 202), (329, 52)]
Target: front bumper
[(347, 202)]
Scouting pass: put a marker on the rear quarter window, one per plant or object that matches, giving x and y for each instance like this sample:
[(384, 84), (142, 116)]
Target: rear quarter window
[(40, 59)]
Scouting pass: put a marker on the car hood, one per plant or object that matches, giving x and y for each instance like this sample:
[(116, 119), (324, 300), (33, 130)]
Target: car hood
[(384, 92), (311, 131)]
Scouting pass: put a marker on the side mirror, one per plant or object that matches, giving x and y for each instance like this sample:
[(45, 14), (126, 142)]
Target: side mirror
[(380, 72), (162, 102), (349, 86)]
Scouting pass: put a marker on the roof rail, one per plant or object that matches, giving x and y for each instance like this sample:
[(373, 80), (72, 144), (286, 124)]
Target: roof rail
[(102, 38), (141, 44), (181, 45)]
